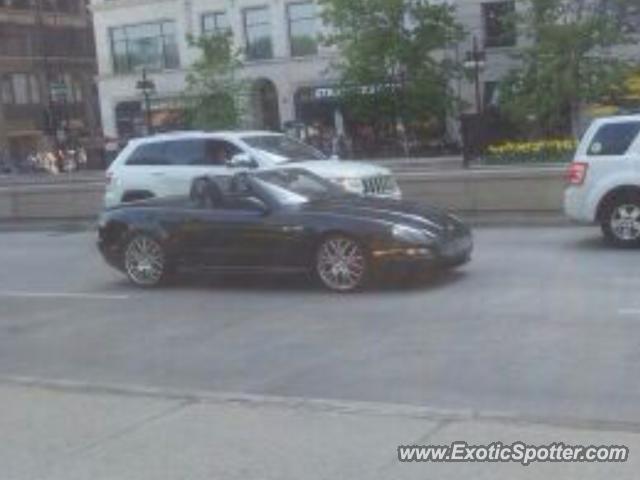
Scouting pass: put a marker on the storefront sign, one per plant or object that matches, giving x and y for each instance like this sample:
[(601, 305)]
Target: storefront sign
[(325, 93)]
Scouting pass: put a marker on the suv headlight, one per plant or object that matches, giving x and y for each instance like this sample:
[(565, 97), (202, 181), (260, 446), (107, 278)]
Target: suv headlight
[(411, 235), (353, 185)]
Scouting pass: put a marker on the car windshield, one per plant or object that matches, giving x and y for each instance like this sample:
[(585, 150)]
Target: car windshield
[(287, 148), (289, 187)]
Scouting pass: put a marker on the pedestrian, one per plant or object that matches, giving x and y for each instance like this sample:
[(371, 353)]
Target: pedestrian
[(81, 158), (59, 160)]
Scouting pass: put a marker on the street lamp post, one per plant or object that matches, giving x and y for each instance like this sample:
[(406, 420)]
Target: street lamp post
[(147, 87), (475, 62)]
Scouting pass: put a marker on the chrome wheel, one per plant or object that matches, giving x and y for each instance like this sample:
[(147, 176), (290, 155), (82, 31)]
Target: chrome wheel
[(341, 264), (144, 261), (625, 222)]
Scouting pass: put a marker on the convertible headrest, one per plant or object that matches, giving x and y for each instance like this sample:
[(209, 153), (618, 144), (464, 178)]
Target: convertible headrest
[(206, 193)]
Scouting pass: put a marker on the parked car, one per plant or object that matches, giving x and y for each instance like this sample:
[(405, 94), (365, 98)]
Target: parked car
[(164, 165), (281, 220), (603, 182)]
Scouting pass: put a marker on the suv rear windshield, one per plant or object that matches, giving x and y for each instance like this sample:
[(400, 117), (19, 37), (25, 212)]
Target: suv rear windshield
[(614, 139)]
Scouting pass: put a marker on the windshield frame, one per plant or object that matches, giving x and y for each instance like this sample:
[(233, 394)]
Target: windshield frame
[(281, 157), (282, 196)]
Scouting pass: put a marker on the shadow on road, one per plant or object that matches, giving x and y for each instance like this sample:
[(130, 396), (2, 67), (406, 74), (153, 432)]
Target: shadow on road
[(598, 243), (299, 283)]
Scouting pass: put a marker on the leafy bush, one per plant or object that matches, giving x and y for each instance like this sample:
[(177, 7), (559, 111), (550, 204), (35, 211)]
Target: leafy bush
[(540, 151)]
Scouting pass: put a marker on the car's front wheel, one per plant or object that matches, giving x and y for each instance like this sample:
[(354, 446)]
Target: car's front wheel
[(145, 261), (620, 221), (341, 264)]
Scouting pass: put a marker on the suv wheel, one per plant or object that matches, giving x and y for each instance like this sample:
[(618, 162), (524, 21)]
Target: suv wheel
[(621, 221)]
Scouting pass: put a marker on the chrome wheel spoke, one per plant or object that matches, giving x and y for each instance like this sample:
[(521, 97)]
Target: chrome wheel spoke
[(625, 222), (341, 264), (144, 261)]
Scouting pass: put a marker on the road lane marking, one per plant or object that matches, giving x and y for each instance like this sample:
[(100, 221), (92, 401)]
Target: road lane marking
[(62, 295)]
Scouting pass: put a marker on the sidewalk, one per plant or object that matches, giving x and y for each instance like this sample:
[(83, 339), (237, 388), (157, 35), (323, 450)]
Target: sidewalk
[(78, 432), (84, 176)]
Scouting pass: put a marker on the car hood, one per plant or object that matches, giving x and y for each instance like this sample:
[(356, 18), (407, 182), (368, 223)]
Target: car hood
[(340, 169), (385, 210)]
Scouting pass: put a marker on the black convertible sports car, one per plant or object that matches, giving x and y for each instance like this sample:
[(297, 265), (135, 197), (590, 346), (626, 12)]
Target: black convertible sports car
[(285, 220)]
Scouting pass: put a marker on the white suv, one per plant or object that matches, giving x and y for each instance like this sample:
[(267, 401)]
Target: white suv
[(165, 165), (604, 179)]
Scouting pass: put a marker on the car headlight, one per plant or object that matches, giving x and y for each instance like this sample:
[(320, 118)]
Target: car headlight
[(353, 185), (411, 235)]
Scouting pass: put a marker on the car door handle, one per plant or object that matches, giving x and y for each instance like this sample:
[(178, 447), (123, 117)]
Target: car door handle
[(158, 174)]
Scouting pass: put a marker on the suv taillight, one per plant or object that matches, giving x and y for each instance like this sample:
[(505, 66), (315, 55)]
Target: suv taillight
[(576, 173)]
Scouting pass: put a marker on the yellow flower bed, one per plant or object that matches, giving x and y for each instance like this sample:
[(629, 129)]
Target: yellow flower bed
[(549, 150)]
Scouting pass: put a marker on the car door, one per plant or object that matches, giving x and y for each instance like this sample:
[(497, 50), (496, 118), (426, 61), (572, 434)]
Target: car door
[(231, 237)]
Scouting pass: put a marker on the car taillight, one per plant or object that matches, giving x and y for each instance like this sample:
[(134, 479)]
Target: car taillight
[(576, 173), (109, 178)]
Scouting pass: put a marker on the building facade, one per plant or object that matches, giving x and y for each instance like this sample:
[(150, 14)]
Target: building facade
[(47, 70), (283, 59), (290, 71)]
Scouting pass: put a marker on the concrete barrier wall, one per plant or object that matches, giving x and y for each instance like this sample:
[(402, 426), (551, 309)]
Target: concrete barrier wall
[(522, 190), (66, 201), (475, 191)]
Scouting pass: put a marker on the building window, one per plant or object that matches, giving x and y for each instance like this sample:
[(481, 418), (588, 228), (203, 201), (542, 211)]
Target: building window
[(257, 30), (629, 16), (149, 45), (18, 4), (215, 23), (303, 23), (17, 40), (20, 89), (499, 24)]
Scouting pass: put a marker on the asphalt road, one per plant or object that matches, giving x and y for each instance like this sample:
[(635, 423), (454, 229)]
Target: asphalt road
[(545, 322)]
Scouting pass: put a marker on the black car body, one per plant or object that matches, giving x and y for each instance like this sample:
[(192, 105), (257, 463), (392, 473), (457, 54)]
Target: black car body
[(270, 223)]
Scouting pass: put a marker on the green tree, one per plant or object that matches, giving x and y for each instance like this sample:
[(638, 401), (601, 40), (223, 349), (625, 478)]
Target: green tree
[(566, 61), (392, 63), (215, 94)]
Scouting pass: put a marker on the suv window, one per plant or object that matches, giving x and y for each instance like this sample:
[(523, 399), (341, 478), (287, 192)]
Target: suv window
[(614, 139), (187, 152), (149, 154), (219, 152)]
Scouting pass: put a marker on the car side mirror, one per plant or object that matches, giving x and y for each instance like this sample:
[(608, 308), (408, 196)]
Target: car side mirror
[(242, 160)]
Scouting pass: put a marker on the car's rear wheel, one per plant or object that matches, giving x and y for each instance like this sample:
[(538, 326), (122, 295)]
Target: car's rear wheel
[(341, 264), (145, 261), (620, 221)]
